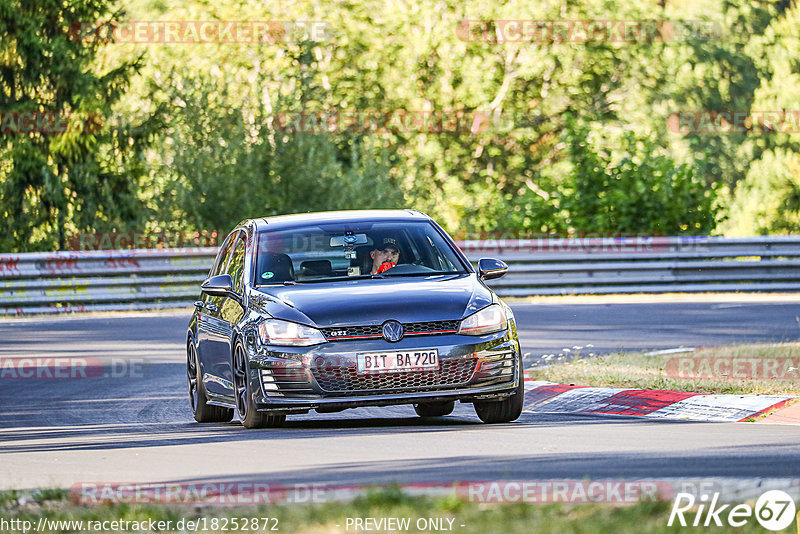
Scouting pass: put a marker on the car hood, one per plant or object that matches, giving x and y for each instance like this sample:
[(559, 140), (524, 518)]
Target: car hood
[(373, 301)]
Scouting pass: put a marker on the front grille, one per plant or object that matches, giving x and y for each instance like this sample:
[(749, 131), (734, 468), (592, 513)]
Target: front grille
[(453, 372), (430, 328), (352, 332)]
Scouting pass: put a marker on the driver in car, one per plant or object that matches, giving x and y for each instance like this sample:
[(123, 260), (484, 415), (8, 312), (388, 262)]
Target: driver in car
[(384, 255)]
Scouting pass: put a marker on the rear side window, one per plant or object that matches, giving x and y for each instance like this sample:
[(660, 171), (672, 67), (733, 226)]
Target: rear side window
[(236, 267)]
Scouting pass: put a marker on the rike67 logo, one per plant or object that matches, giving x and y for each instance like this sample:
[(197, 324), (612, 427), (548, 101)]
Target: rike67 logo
[(774, 510)]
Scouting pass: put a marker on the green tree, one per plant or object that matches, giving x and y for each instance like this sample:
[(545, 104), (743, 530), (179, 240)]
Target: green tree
[(768, 200), (219, 156), (52, 184), (633, 188), (226, 162)]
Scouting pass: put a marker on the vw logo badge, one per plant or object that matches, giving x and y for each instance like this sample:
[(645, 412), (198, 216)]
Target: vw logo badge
[(392, 331)]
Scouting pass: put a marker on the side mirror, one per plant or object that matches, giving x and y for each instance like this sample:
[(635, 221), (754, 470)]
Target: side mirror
[(490, 268), (218, 286)]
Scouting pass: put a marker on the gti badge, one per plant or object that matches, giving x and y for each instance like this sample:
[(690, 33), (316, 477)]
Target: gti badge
[(392, 331)]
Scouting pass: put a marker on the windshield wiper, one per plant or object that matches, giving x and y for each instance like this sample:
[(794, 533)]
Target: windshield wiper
[(431, 273), (361, 277), (336, 279)]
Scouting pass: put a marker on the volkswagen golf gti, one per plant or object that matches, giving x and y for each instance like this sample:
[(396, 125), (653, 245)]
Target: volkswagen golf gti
[(337, 310)]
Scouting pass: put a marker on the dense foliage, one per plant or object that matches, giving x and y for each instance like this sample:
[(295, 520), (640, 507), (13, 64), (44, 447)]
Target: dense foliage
[(568, 137)]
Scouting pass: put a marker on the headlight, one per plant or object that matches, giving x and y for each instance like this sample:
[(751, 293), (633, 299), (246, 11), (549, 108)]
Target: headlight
[(277, 332), (487, 321)]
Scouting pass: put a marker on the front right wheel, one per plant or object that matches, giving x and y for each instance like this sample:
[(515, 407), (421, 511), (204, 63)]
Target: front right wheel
[(504, 411)]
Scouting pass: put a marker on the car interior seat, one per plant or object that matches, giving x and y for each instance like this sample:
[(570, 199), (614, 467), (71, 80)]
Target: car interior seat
[(363, 260), (274, 268), (316, 268)]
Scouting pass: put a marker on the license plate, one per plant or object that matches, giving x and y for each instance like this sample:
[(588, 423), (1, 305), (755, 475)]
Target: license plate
[(387, 362)]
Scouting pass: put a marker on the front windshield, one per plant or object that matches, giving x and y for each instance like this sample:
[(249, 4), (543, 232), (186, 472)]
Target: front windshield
[(339, 251)]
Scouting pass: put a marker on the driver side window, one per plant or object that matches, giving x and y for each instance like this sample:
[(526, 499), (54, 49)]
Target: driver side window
[(236, 267), (224, 254)]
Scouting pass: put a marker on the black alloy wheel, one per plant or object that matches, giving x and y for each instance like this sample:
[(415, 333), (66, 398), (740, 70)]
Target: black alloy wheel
[(198, 398), (506, 410), (249, 416)]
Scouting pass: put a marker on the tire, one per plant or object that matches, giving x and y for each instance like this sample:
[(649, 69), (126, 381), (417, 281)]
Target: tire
[(198, 398), (434, 409), (249, 416), (506, 410)]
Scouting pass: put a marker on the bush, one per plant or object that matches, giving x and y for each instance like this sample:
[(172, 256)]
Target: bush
[(633, 189)]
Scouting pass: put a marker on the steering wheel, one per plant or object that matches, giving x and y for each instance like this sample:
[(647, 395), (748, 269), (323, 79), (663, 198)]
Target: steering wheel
[(385, 266)]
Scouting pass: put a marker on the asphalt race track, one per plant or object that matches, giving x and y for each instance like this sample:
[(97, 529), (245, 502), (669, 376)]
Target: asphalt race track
[(133, 424)]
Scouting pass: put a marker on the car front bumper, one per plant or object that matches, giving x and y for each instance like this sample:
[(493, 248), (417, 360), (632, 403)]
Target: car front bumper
[(324, 377)]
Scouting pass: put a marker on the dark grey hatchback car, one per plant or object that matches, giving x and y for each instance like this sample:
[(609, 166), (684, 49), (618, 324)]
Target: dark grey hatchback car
[(336, 310)]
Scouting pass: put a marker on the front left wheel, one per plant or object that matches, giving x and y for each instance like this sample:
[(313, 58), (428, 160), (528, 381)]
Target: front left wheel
[(249, 416), (506, 410)]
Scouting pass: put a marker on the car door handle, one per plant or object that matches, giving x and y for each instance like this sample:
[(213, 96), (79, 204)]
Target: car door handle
[(200, 304)]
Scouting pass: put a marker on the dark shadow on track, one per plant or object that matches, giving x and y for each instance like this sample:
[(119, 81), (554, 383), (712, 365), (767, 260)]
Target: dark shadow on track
[(120, 436), (743, 461)]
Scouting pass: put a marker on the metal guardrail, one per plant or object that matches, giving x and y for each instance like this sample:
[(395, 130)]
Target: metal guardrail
[(56, 282), (643, 264)]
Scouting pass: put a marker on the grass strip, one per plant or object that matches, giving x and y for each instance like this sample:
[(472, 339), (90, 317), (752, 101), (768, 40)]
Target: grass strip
[(759, 369), (468, 518)]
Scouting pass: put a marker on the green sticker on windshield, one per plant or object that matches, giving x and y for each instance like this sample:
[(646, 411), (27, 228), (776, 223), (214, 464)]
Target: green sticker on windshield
[(267, 275)]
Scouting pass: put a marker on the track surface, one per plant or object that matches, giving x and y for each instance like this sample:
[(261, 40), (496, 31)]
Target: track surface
[(138, 428)]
